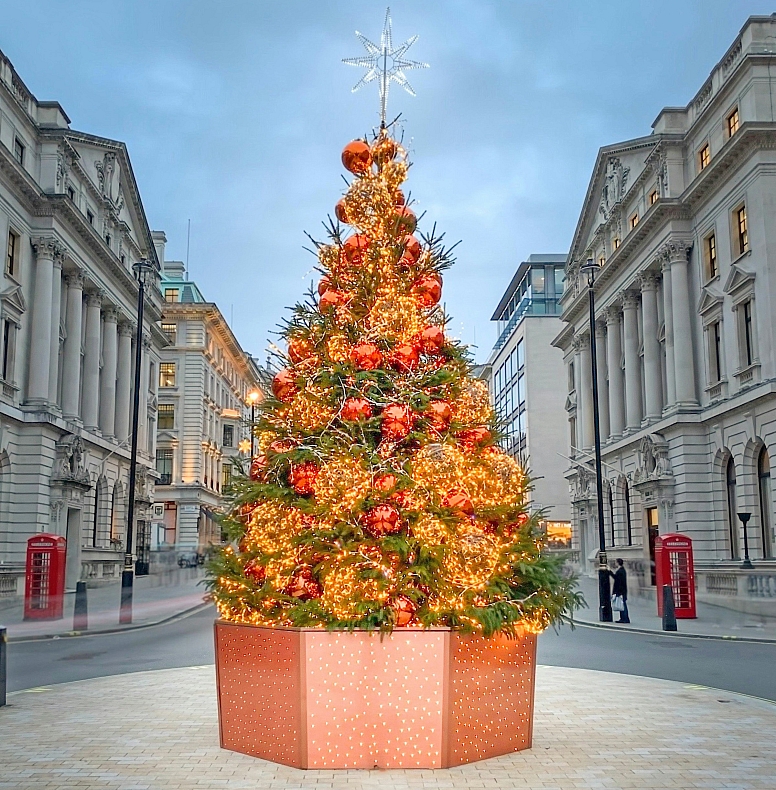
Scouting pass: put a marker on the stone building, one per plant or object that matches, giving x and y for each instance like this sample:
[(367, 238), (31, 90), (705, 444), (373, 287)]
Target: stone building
[(72, 225), (527, 381), (205, 379), (682, 225)]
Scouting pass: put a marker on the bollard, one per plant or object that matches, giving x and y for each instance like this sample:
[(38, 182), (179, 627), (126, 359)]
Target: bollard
[(80, 609), (3, 664), (669, 612)]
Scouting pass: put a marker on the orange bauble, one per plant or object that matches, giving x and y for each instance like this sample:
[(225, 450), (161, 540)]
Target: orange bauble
[(396, 423), (324, 285), (428, 289), (282, 445), (381, 520), (432, 340), (356, 409), (457, 500), (522, 520), (384, 150), (357, 157), (385, 483), (406, 220), (404, 357), (284, 386), (258, 467), (355, 248), (302, 477), (299, 349), (366, 356), (332, 299), (340, 212), (255, 572), (439, 413), (303, 585), (404, 608), (412, 248), (473, 437)]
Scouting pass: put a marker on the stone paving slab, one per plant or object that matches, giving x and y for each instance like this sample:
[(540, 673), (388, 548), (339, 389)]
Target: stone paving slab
[(598, 730)]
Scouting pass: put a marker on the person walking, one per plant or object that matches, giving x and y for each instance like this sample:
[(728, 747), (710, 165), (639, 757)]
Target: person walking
[(621, 589)]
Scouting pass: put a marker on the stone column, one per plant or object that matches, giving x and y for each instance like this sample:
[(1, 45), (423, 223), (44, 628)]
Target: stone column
[(90, 401), (71, 359), (580, 417), (669, 320), (144, 440), (56, 307), (653, 383), (613, 356), (123, 382), (46, 250), (630, 308), (684, 358), (602, 363), (108, 375), (586, 394)]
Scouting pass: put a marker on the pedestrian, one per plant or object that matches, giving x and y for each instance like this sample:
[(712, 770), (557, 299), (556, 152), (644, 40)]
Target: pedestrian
[(621, 589)]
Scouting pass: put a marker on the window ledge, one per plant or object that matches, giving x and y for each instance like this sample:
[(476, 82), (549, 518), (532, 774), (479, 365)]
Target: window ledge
[(748, 375), (717, 390), (714, 279), (741, 256)]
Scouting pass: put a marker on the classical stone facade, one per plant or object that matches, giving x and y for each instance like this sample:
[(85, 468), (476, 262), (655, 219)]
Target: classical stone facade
[(205, 380), (682, 224), (72, 225)]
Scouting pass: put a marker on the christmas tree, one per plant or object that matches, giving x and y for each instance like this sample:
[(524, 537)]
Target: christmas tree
[(379, 497)]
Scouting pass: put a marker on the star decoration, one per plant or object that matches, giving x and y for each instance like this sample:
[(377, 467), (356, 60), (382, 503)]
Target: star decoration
[(244, 446), (386, 63)]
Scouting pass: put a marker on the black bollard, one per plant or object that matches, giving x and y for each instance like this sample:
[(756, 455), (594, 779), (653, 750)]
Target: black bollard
[(3, 650), (80, 610), (669, 612)]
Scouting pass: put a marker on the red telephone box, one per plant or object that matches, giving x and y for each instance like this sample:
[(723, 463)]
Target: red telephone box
[(674, 566), (44, 589)]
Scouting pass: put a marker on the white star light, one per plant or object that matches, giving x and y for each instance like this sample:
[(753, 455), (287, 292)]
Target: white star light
[(386, 63)]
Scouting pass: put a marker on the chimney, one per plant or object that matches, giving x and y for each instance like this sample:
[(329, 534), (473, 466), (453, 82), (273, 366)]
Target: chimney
[(159, 239)]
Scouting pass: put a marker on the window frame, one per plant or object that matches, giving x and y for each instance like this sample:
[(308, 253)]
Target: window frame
[(170, 291), (164, 454), (740, 217), (704, 156), (634, 220), (172, 336), (715, 356), (733, 114), (19, 150), (166, 410), (711, 255), (731, 497), (765, 497), (13, 258), (227, 426), (164, 370), (653, 197)]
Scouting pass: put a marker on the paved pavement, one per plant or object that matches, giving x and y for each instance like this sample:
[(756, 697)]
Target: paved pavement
[(155, 598), (712, 621), (157, 730)]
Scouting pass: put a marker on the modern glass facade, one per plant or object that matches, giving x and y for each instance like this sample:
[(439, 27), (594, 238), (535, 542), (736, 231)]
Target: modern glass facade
[(509, 399)]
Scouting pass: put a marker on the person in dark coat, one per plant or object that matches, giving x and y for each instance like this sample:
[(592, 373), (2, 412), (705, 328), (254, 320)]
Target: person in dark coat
[(621, 588)]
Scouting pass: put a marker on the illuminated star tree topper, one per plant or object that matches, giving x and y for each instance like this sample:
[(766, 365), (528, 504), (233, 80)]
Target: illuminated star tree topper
[(386, 63)]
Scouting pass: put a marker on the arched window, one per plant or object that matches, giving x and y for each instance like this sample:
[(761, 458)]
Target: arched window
[(730, 480), (96, 521), (766, 503)]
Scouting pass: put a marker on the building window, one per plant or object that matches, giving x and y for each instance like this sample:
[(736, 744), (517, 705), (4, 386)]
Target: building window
[(166, 374), (616, 242), (653, 196), (704, 157), (164, 467), (710, 252), (747, 336), (714, 333), (71, 193), (89, 217), (730, 482), (107, 239), (12, 254), (602, 260), (8, 339), (634, 220), (18, 151), (171, 294), (123, 259), (166, 417), (732, 123), (611, 515), (628, 522), (228, 436), (766, 502), (171, 332), (226, 475), (742, 231)]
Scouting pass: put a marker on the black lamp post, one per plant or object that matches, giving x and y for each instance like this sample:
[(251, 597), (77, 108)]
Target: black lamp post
[(253, 398), (141, 269), (604, 596), (747, 563)]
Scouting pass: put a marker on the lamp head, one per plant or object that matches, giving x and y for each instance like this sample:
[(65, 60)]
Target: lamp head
[(253, 397), (744, 517), (142, 269)]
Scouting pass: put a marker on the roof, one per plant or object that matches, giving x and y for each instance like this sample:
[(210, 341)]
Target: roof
[(522, 270)]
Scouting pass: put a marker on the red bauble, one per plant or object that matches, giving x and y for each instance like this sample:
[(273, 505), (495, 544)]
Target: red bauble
[(432, 340), (406, 220), (439, 413), (303, 585), (385, 483), (403, 499), (357, 157), (396, 423), (473, 437), (258, 467), (282, 445), (384, 150), (355, 248), (331, 299), (366, 356), (412, 248), (405, 609), (299, 349), (324, 285), (404, 357), (302, 477), (255, 571), (490, 527), (428, 289), (381, 520), (244, 511), (522, 520), (341, 213), (356, 409), (284, 386), (458, 500)]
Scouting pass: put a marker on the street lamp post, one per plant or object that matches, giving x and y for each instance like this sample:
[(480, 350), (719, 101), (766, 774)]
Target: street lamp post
[(253, 398), (141, 269), (747, 563), (604, 599)]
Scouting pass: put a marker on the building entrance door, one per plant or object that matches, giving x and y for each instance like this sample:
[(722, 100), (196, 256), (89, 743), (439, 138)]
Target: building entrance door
[(73, 556), (143, 548), (652, 533)]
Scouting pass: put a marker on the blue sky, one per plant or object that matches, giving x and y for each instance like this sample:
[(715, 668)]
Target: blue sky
[(235, 113)]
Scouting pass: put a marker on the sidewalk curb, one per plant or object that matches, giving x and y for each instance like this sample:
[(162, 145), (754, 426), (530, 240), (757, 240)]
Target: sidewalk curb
[(671, 634), (117, 630)]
